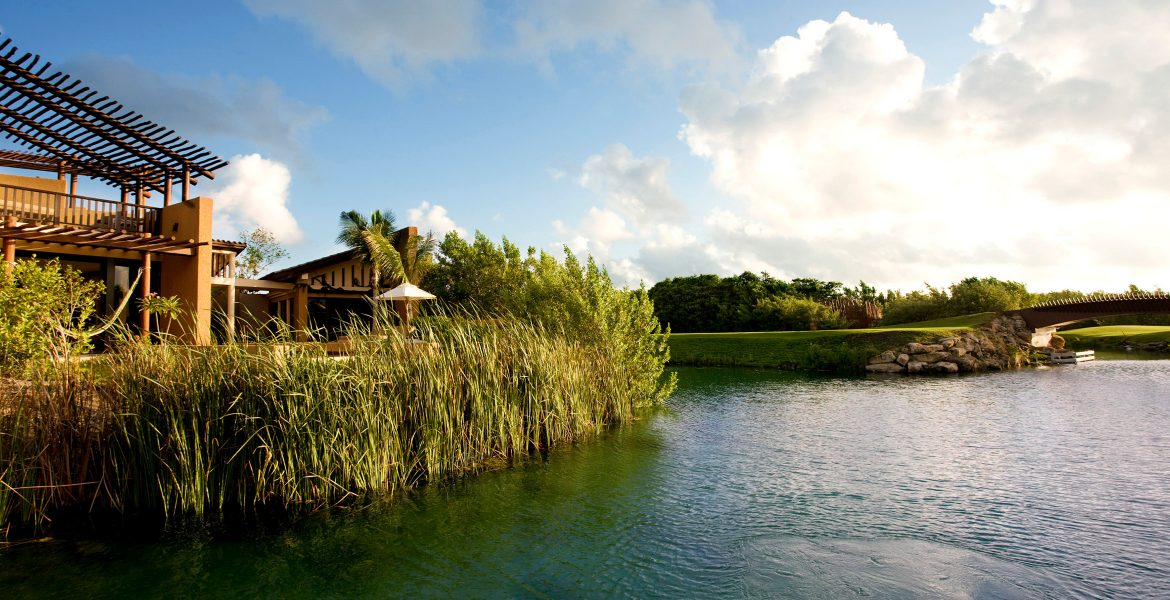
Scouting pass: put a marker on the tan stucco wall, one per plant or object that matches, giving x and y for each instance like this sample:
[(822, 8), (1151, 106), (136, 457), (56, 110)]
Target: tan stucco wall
[(189, 277), (36, 183)]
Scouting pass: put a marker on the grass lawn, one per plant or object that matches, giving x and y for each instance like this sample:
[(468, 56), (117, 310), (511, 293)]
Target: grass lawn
[(960, 322), (1113, 336), (836, 350)]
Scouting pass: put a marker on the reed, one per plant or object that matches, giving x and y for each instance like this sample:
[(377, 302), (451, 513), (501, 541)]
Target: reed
[(194, 435)]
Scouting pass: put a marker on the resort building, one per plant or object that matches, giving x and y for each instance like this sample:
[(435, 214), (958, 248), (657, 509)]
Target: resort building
[(327, 292), (59, 126), (155, 231)]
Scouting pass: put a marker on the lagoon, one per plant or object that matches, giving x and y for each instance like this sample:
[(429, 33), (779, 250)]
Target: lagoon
[(1048, 482)]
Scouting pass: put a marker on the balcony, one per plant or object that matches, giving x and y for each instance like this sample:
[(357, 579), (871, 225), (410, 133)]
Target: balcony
[(32, 214)]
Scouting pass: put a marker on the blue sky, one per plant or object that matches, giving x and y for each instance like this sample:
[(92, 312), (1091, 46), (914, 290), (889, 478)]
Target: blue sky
[(667, 137)]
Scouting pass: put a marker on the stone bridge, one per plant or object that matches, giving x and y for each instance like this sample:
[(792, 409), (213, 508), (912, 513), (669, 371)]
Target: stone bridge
[(1045, 318)]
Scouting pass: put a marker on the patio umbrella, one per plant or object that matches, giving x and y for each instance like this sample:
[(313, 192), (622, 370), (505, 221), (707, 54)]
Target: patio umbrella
[(407, 292)]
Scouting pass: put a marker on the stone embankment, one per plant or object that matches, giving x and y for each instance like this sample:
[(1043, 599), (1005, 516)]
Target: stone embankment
[(1004, 342)]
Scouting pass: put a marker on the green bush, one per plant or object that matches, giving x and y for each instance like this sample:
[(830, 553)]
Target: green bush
[(790, 313), (40, 304), (566, 298)]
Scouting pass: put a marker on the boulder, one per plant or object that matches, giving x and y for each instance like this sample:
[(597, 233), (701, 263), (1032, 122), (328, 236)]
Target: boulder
[(968, 363), (885, 357), (914, 348), (914, 367), (944, 367), (884, 368), (957, 351), (932, 357), (902, 359), (947, 343), (933, 348)]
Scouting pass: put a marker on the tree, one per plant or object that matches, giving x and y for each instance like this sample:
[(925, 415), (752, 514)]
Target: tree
[(372, 240), (262, 252), (44, 310)]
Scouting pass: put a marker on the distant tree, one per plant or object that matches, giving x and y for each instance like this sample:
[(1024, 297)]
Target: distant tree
[(974, 295), (262, 252), (815, 289)]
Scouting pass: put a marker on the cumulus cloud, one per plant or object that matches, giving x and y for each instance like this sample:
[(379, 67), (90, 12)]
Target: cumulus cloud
[(434, 218), (638, 204), (1048, 145), (390, 40), (662, 34), (252, 192), (257, 112), (635, 187)]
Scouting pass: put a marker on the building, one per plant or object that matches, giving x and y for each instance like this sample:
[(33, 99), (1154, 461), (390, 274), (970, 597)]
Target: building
[(324, 294), (56, 125)]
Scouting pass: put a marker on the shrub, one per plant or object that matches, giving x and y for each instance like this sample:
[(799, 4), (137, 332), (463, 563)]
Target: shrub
[(41, 303), (788, 313)]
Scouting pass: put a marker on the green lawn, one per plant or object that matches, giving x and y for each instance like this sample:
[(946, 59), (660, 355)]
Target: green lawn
[(960, 322), (1114, 336), (837, 350)]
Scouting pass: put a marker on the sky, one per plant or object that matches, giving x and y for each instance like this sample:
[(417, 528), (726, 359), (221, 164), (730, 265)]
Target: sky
[(899, 142)]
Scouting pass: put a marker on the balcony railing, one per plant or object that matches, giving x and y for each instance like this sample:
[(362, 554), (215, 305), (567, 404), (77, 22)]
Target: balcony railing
[(29, 205)]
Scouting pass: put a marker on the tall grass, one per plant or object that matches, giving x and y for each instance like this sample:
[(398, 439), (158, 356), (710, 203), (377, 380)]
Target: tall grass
[(200, 434)]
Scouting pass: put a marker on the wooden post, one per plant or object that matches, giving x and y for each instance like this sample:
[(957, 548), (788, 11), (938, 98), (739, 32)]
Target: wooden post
[(9, 247), (231, 300), (125, 200), (167, 189), (139, 201), (73, 190), (144, 325), (186, 183), (301, 308)]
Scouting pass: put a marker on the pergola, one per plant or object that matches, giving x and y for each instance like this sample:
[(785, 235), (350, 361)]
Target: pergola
[(56, 123), (67, 127)]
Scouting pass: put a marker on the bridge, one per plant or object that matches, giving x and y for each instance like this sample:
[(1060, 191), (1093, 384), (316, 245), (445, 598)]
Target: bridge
[(1045, 318)]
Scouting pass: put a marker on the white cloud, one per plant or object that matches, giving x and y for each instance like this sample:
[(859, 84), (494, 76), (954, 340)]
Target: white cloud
[(253, 111), (596, 232), (433, 218), (253, 192), (661, 34), (634, 187), (1047, 146), (390, 40)]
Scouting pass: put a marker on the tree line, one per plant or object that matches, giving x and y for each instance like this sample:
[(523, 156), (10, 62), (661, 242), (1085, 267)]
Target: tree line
[(760, 302)]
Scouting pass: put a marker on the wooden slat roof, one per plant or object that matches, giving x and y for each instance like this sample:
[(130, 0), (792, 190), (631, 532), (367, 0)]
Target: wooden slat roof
[(58, 118)]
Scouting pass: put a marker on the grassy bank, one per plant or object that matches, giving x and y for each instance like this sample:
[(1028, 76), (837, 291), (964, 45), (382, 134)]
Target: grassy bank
[(844, 350), (200, 435), (1113, 337)]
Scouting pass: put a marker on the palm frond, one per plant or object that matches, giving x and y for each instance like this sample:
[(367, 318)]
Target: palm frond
[(384, 255)]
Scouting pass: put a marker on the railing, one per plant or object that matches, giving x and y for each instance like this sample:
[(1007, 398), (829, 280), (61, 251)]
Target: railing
[(59, 208), (223, 264)]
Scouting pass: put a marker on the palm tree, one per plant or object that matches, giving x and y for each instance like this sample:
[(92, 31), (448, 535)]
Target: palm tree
[(375, 243), (372, 241)]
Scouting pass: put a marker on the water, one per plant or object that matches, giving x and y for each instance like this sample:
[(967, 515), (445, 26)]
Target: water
[(1037, 483)]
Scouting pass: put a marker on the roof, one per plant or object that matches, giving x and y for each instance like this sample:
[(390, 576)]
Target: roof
[(293, 272), (68, 125)]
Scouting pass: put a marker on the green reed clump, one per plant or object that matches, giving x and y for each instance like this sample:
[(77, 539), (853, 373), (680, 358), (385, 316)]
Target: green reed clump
[(196, 434)]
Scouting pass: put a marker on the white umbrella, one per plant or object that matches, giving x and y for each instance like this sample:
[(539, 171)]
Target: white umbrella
[(407, 292)]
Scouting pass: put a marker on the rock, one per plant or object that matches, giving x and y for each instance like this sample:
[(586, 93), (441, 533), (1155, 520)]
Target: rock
[(914, 367), (902, 359), (1057, 342), (885, 357), (944, 367), (932, 357), (884, 368), (947, 343), (968, 363), (914, 348), (957, 351), (933, 348)]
